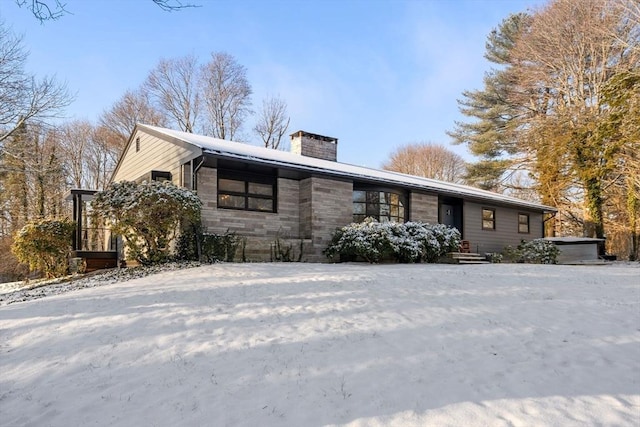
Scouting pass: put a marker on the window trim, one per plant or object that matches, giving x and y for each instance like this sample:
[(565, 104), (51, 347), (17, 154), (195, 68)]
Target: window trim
[(528, 223), (247, 179), (492, 218)]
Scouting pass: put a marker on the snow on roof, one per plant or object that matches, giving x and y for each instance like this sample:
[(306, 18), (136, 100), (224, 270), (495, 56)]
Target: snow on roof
[(242, 151), (574, 239)]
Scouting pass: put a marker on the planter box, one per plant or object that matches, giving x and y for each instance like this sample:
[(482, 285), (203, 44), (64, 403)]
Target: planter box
[(97, 260)]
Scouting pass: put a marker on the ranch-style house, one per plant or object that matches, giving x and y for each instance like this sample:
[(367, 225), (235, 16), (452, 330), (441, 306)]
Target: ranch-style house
[(304, 195)]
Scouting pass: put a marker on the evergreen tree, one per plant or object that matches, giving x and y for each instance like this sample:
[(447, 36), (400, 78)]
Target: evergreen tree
[(541, 110)]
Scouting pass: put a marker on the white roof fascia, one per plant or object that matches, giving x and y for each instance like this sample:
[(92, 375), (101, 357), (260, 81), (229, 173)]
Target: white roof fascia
[(243, 151)]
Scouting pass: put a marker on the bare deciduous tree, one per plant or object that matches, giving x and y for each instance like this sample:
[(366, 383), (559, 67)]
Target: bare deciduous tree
[(172, 86), (273, 122), (134, 107), (428, 160), (23, 98), (226, 94), (103, 157), (74, 139)]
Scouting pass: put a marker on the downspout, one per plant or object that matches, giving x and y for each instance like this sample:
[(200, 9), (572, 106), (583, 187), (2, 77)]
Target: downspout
[(194, 187), (548, 218), (194, 175)]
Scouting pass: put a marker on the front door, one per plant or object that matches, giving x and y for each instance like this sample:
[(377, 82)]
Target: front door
[(451, 214), (446, 215)]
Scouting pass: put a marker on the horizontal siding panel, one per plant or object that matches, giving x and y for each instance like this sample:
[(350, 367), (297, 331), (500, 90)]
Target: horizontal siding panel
[(506, 231), (154, 154)]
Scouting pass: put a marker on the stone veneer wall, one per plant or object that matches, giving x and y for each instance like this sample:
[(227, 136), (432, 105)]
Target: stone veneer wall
[(423, 207), (325, 205), (259, 229), (309, 211)]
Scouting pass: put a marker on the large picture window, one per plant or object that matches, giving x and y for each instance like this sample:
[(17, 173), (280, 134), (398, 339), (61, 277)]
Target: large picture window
[(385, 206), (488, 219), (246, 192)]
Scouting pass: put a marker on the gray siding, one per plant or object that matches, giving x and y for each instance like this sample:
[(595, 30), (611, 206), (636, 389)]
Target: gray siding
[(155, 154), (506, 231)]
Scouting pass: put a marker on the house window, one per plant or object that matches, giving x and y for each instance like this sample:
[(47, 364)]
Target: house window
[(488, 219), (160, 176), (523, 223), (385, 206), (246, 192)]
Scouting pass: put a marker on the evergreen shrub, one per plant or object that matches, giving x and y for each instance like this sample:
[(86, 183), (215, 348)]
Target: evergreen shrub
[(537, 251), (196, 245), (45, 245)]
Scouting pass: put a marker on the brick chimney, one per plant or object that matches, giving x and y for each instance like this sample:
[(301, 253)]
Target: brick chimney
[(312, 145)]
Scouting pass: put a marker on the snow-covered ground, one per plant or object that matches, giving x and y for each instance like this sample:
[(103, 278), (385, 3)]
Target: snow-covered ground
[(315, 345)]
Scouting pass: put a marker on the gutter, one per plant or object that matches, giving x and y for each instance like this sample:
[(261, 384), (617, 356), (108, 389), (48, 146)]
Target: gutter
[(194, 174), (350, 175)]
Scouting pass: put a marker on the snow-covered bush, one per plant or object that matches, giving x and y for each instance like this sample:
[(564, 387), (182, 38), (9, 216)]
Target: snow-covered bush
[(537, 251), (448, 239), (147, 216), (366, 239), (404, 241), (45, 245), (494, 257), (540, 251), (408, 242)]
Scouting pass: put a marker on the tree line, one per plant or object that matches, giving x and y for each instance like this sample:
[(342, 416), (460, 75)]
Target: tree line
[(559, 114), (41, 158)]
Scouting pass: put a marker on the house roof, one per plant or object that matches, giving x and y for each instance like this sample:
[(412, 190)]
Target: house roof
[(241, 151)]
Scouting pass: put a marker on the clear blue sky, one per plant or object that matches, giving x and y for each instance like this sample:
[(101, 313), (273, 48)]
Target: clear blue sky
[(376, 74)]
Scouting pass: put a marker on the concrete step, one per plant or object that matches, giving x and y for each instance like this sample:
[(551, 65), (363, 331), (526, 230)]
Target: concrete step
[(467, 258)]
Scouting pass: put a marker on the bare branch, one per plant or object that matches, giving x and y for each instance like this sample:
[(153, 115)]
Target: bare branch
[(43, 11), (172, 85), (173, 5), (226, 93), (22, 97), (50, 10), (273, 122)]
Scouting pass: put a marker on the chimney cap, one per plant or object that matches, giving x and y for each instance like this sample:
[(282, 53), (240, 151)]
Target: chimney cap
[(302, 133)]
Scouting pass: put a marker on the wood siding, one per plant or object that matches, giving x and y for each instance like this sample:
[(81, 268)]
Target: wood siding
[(155, 154), (506, 227)]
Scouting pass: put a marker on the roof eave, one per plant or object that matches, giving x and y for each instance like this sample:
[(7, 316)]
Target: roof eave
[(369, 178)]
